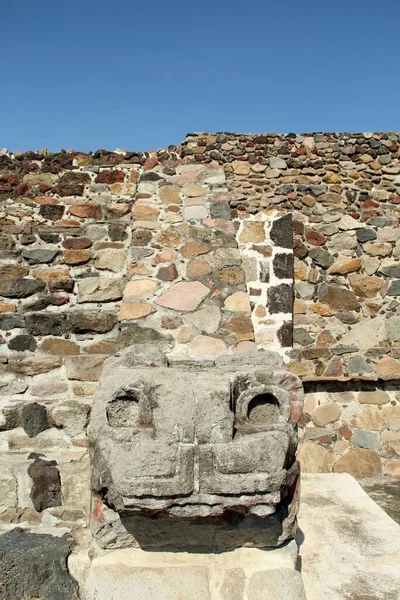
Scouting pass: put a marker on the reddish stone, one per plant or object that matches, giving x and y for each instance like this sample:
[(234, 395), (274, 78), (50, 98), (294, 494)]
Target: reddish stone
[(46, 200), (345, 432), (167, 273), (69, 189), (255, 291), (369, 204), (241, 327), (76, 257), (193, 249), (315, 238), (299, 249), (184, 295), (86, 211), (110, 177), (51, 212), (77, 243), (334, 368), (171, 322), (150, 163), (7, 182), (313, 353), (197, 269)]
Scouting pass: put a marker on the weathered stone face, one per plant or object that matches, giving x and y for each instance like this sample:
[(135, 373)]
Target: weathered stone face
[(193, 443)]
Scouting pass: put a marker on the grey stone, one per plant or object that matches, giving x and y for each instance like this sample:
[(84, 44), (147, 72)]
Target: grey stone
[(21, 343), (45, 323), (358, 364), (150, 425), (317, 190), (264, 272), (220, 210), (283, 266), (10, 321), (34, 418), (35, 566), (71, 416), (91, 322), (393, 329), (280, 298), (135, 334), (302, 337), (321, 257), (281, 232), (391, 270), (15, 386), (366, 235), (39, 255), (379, 222), (46, 486), (277, 163), (305, 290), (366, 439), (394, 288)]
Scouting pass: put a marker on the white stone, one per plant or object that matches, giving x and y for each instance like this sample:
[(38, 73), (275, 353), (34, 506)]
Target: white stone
[(350, 548), (366, 334)]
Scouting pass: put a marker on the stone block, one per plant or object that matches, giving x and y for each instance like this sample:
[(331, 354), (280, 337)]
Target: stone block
[(349, 547), (84, 368), (35, 566), (99, 289)]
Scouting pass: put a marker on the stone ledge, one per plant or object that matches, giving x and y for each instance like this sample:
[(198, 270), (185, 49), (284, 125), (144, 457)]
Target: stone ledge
[(349, 547), (135, 573)]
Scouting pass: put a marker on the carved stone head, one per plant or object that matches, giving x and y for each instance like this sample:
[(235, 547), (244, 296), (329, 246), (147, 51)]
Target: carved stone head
[(199, 453)]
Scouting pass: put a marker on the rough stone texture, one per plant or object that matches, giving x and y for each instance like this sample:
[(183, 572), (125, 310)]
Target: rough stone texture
[(35, 566), (84, 368), (46, 486), (184, 296), (94, 289), (315, 459), (358, 544), (34, 418), (359, 463), (135, 396)]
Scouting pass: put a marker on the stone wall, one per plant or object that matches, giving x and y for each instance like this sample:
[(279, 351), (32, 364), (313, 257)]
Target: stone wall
[(343, 191), (189, 247)]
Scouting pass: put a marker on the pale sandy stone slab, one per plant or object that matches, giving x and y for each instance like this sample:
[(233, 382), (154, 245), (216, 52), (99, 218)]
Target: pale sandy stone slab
[(143, 288), (184, 295), (350, 548)]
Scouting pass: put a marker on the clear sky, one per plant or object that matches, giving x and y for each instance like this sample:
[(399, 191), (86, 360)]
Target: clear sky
[(89, 74)]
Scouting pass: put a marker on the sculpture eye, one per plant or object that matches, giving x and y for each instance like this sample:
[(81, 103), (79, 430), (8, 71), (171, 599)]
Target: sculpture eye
[(263, 410), (123, 411)]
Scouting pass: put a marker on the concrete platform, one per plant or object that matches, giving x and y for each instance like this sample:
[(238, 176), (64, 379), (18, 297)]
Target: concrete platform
[(349, 547), (251, 573)]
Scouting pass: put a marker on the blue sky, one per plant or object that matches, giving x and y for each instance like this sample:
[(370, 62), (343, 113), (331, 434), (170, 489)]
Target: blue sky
[(89, 74)]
